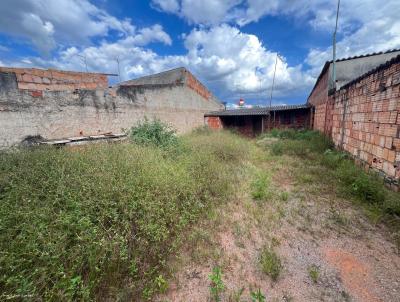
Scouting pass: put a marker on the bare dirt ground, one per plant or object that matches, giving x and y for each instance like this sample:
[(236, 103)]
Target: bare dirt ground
[(308, 227)]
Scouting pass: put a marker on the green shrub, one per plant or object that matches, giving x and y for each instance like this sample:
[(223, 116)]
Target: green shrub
[(366, 187), (270, 263), (153, 132), (96, 221), (260, 187)]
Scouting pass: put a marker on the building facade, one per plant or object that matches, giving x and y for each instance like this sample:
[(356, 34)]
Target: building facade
[(254, 121), (57, 104)]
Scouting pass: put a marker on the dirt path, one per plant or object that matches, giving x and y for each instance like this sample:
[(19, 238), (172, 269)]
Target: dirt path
[(329, 251)]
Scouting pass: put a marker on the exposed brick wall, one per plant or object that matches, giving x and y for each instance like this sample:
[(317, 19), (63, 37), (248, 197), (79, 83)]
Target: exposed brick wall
[(70, 113), (320, 92), (56, 80), (296, 119), (319, 117), (197, 86), (318, 98), (214, 122), (372, 121)]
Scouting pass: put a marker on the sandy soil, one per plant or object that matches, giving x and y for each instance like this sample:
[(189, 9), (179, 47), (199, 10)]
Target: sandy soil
[(355, 259)]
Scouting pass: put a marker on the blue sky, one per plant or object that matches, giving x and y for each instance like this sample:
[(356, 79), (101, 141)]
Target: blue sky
[(230, 45)]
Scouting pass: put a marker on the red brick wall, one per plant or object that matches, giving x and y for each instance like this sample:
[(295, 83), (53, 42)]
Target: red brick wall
[(194, 84), (320, 92), (372, 120), (296, 119), (56, 80), (214, 122), (247, 129), (318, 99), (319, 117)]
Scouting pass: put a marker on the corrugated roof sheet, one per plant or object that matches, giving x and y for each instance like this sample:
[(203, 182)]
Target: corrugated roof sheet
[(255, 111)]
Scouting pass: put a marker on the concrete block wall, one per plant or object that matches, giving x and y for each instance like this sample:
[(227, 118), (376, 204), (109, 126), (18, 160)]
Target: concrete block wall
[(81, 112), (370, 130), (56, 80)]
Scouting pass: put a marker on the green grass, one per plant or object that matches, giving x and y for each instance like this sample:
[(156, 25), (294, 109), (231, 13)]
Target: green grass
[(100, 221), (270, 263), (313, 272), (260, 187), (257, 296), (322, 164), (217, 285)]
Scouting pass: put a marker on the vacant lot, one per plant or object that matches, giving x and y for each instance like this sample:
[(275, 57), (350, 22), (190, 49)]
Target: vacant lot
[(305, 225), (205, 217)]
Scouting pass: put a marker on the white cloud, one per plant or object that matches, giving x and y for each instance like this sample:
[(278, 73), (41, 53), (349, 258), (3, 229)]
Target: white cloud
[(364, 26), (207, 11), (151, 34), (170, 6), (232, 63), (63, 22), (372, 27), (245, 68)]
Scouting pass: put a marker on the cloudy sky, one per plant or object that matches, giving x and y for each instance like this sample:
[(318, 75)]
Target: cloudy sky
[(230, 45)]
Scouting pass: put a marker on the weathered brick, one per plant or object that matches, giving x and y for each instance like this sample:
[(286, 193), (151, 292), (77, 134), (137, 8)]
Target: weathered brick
[(391, 156), (396, 144)]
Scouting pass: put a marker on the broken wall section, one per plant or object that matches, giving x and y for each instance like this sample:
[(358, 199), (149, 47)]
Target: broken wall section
[(56, 80)]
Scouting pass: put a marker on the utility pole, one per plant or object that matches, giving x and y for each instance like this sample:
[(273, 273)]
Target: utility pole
[(83, 57), (272, 88), (119, 71), (273, 82), (334, 47)]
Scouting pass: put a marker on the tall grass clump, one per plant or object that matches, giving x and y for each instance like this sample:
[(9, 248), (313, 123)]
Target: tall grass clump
[(270, 263), (100, 221)]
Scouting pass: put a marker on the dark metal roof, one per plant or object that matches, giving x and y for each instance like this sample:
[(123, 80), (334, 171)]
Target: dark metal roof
[(256, 110), (327, 63)]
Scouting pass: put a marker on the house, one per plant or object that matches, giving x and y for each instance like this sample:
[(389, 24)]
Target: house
[(254, 121), (57, 104)]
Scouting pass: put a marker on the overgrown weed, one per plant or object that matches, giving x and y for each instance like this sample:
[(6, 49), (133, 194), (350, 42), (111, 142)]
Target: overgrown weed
[(101, 220), (270, 263), (325, 167), (260, 187), (217, 285)]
